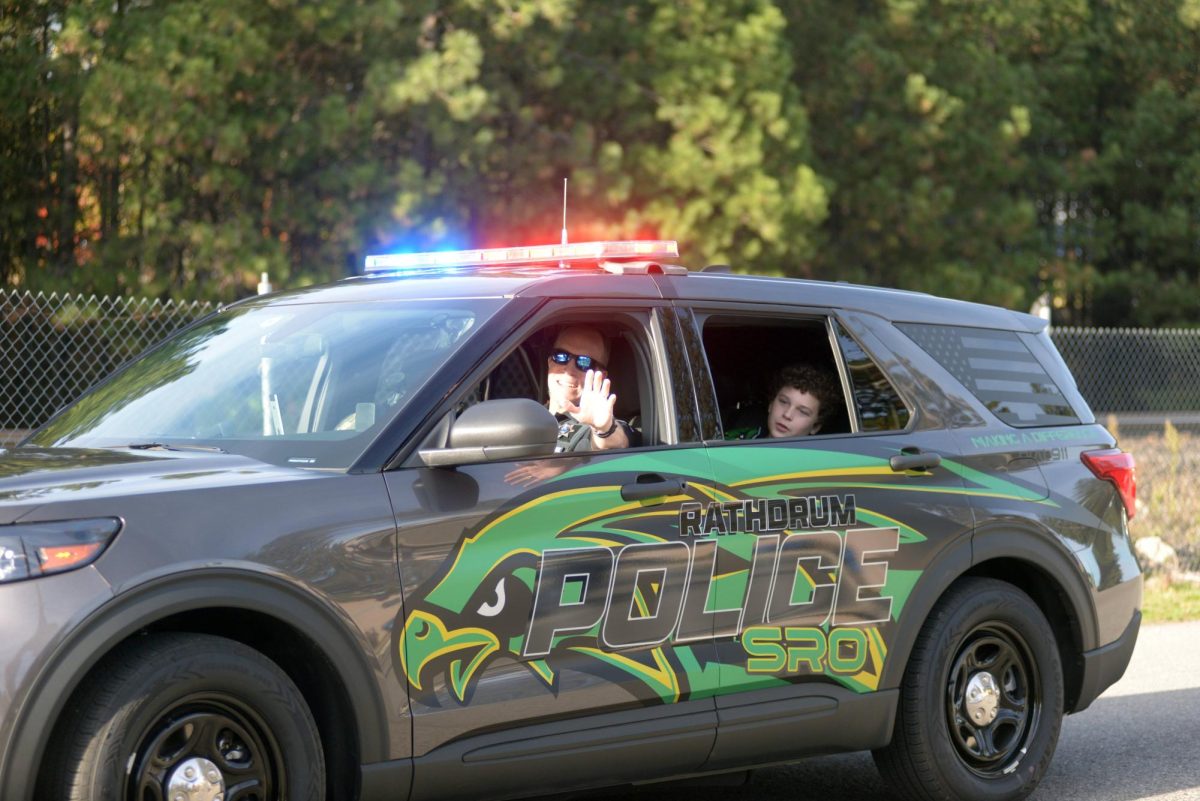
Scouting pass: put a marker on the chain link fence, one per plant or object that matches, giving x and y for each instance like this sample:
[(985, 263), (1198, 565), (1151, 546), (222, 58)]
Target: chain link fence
[(1144, 384), (53, 347), (1143, 375)]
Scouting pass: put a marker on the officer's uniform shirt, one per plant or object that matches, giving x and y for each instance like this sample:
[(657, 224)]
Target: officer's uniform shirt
[(576, 436)]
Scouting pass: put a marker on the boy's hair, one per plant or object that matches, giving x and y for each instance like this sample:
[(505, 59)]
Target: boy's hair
[(806, 378)]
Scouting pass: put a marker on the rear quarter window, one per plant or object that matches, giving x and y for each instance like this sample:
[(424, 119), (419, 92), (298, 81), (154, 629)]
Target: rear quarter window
[(878, 406), (997, 368)]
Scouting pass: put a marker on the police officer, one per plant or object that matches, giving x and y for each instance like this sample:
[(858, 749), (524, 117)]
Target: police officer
[(580, 393)]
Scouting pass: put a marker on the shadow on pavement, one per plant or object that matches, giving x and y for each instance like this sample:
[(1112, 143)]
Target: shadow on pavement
[(1128, 747), (1120, 749)]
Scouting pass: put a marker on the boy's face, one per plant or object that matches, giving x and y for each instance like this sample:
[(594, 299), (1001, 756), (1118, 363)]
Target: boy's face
[(793, 414)]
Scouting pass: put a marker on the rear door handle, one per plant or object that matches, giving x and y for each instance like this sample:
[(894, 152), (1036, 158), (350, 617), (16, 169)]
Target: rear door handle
[(914, 459), (652, 485)]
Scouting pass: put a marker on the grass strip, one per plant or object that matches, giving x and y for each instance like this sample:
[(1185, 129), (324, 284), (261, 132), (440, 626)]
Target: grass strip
[(1170, 603)]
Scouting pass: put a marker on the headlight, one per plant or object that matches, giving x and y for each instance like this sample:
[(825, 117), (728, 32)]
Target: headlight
[(29, 550)]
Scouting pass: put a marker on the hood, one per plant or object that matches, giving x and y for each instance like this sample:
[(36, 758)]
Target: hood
[(32, 477)]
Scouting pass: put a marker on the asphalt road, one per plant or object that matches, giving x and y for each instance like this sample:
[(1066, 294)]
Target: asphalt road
[(1140, 741)]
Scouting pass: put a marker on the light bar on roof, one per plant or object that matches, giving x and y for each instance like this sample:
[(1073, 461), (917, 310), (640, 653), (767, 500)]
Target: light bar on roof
[(647, 250)]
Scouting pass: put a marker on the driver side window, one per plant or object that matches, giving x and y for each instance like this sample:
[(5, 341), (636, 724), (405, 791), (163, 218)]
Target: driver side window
[(530, 371)]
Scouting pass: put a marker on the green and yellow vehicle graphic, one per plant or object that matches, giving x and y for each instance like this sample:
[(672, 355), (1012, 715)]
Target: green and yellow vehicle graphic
[(785, 573)]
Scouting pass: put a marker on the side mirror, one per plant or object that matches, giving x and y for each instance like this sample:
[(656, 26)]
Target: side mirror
[(497, 430)]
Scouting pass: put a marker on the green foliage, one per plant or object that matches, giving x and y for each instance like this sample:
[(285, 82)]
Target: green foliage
[(991, 151), (921, 113), (1170, 603)]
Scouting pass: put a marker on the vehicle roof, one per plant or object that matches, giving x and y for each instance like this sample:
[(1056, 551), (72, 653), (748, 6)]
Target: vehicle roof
[(553, 282), (897, 305)]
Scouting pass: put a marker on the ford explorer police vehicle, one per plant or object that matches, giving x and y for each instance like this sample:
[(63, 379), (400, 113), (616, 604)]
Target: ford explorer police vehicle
[(328, 543)]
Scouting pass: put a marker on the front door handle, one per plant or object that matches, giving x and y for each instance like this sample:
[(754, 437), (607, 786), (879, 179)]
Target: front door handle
[(914, 459), (652, 485)]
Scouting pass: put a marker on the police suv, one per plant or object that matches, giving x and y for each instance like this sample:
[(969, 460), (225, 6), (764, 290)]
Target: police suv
[(329, 543)]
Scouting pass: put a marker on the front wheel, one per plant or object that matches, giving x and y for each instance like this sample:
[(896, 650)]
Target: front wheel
[(191, 716), (981, 701)]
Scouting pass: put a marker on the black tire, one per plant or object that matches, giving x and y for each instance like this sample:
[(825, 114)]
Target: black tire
[(164, 703), (980, 626)]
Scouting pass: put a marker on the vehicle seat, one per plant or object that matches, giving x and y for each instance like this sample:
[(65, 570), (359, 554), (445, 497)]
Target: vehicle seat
[(745, 417), (408, 356), (514, 377)]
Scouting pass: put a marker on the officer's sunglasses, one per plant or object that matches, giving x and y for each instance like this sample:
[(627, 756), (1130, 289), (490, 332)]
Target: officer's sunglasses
[(585, 363)]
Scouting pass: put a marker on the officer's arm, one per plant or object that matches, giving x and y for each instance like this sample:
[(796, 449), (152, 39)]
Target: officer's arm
[(619, 438)]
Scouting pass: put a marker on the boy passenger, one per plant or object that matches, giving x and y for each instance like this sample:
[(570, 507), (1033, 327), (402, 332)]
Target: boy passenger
[(801, 400)]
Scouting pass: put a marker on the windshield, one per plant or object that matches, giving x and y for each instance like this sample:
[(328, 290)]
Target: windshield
[(305, 385)]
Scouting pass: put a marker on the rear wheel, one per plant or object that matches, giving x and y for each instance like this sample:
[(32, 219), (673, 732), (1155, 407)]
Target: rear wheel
[(187, 717), (981, 701)]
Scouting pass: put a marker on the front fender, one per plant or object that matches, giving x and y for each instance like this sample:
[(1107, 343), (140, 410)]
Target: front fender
[(162, 598)]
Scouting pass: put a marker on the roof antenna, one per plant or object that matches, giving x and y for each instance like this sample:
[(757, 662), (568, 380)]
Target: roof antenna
[(562, 264), (564, 229)]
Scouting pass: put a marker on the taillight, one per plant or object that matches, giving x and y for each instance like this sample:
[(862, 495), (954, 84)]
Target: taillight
[(1116, 466)]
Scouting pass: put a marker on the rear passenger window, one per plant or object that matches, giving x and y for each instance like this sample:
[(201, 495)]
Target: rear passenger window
[(876, 402), (746, 357), (999, 370)]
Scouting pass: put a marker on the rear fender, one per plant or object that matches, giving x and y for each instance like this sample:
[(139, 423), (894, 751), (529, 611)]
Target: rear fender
[(1039, 550)]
